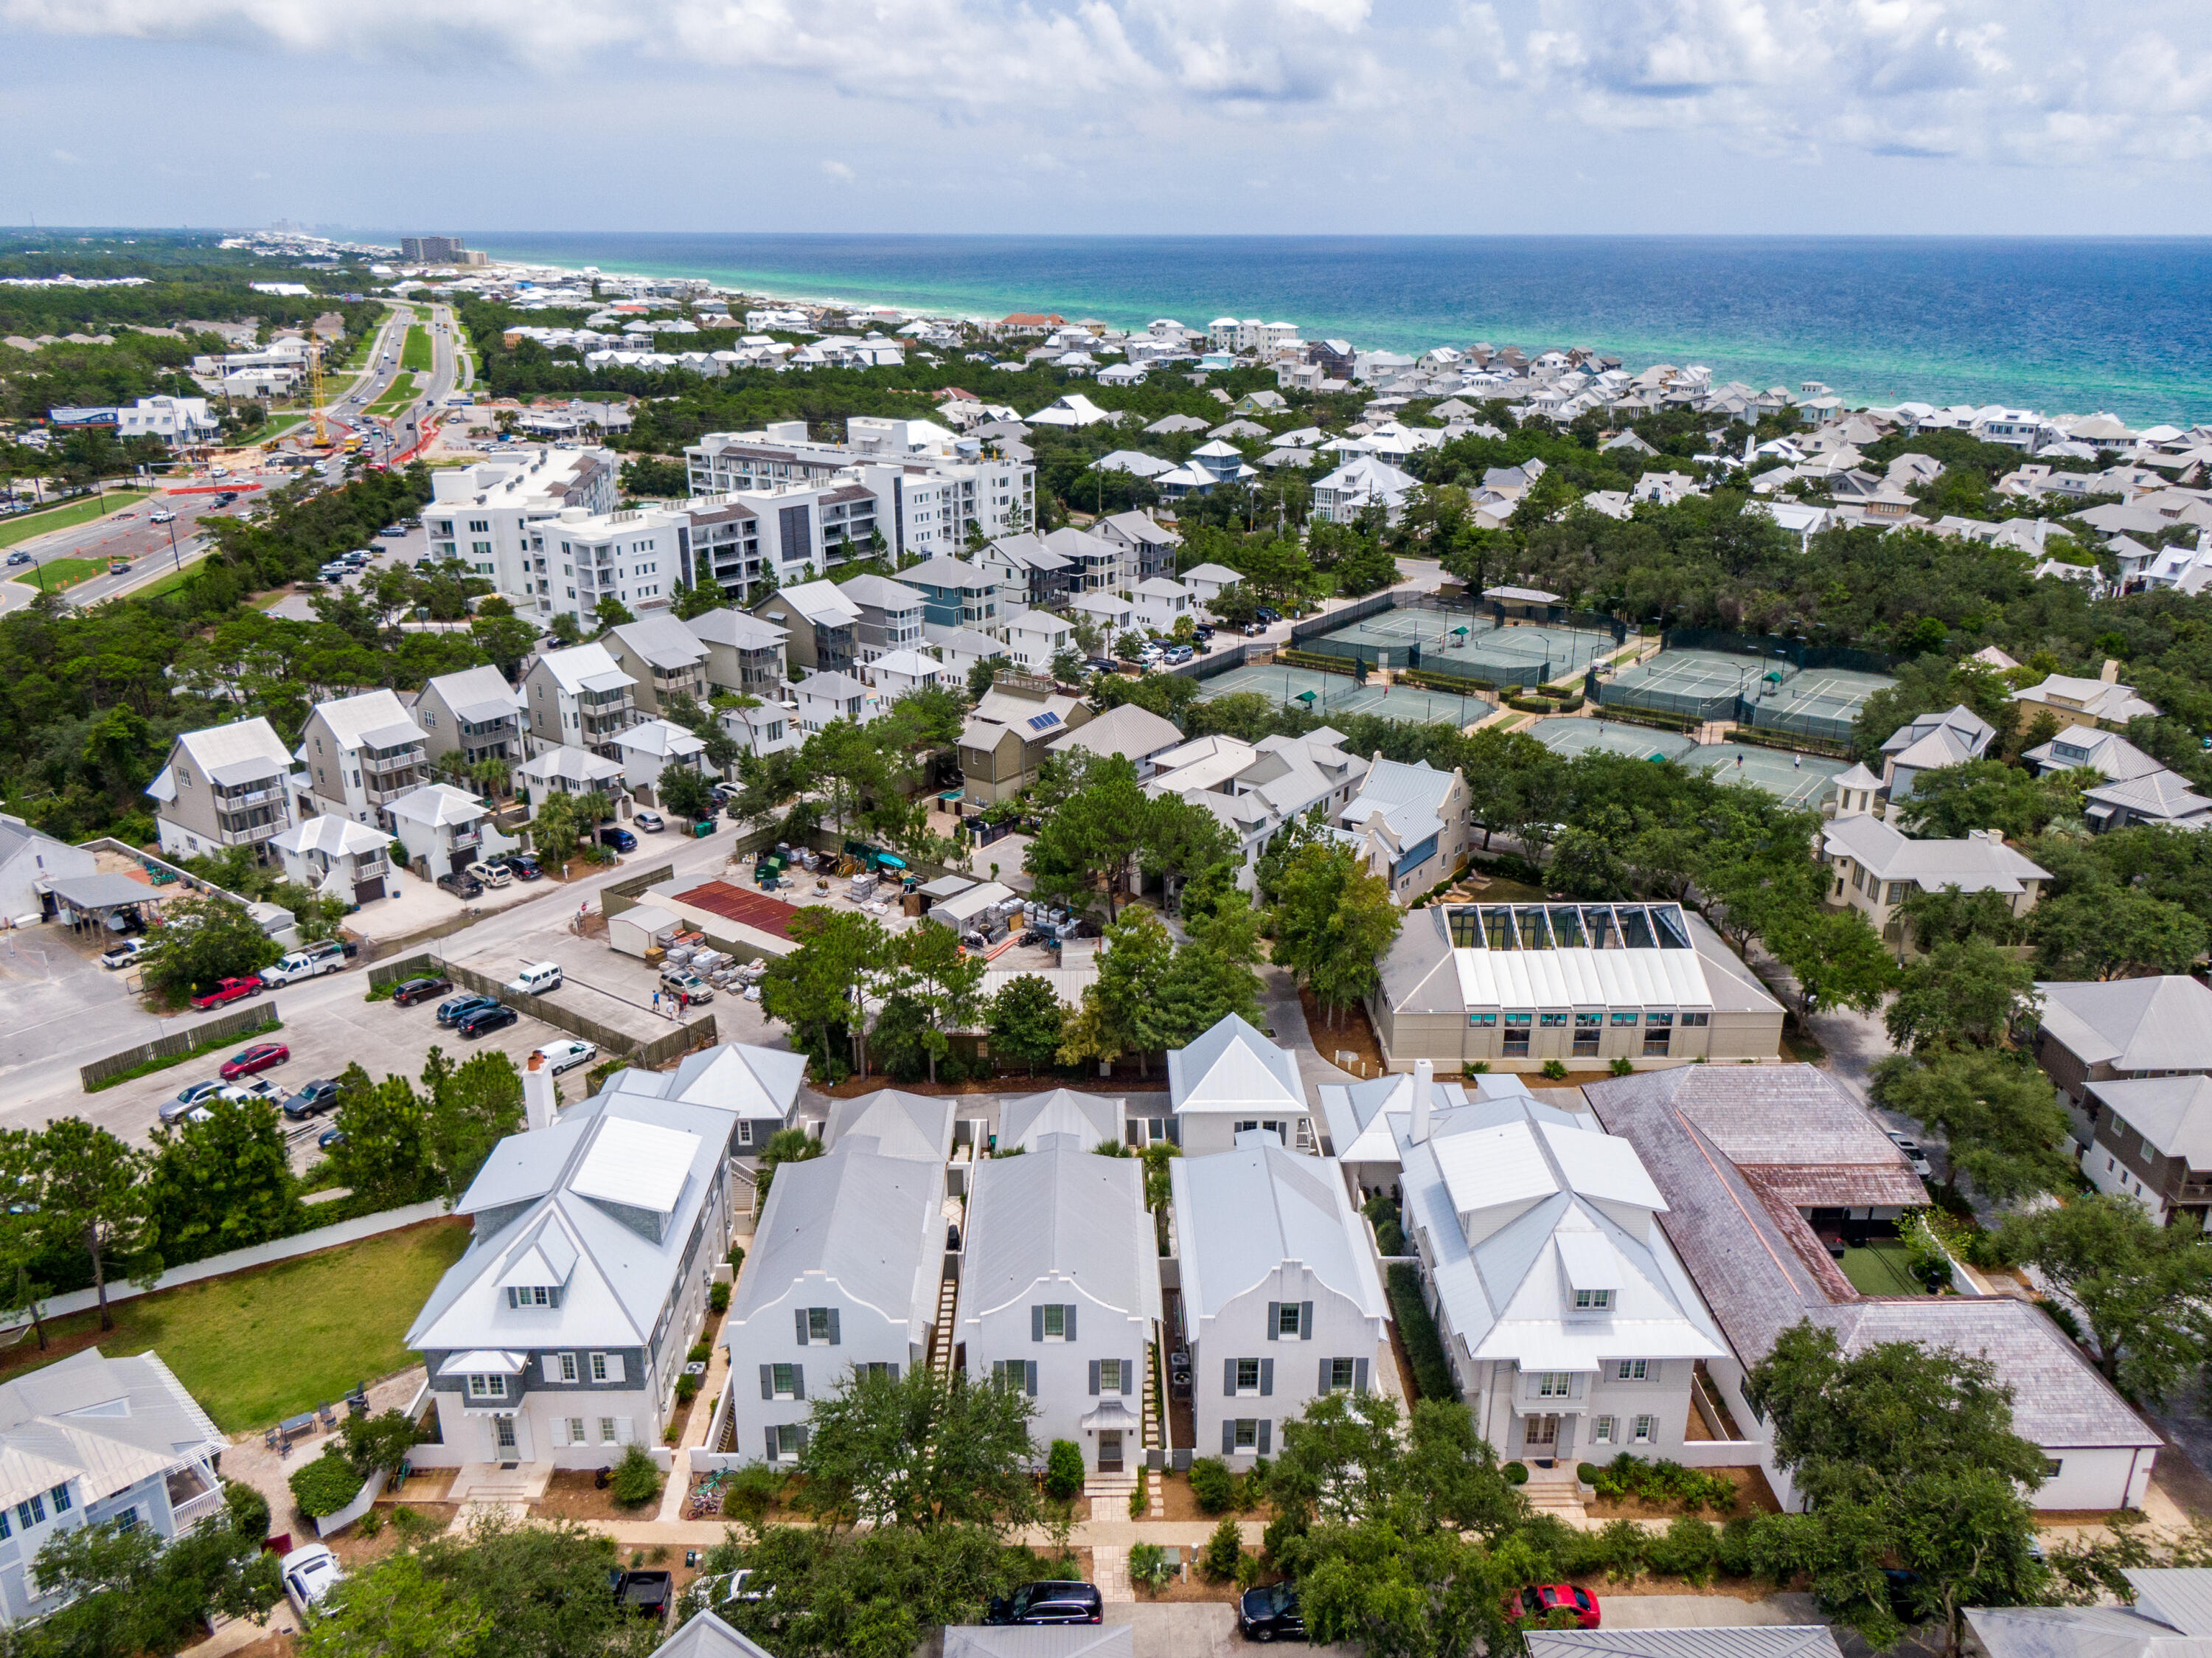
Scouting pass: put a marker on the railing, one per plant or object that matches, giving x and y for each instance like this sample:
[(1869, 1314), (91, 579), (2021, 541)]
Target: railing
[(392, 760), (193, 1509), (247, 836), (225, 798)]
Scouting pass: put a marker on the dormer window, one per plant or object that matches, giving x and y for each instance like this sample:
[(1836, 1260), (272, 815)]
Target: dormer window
[(1593, 1301), (536, 1295)]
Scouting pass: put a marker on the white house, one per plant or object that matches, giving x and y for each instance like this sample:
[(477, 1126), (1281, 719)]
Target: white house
[(337, 857), (1159, 602), (897, 672), (1571, 1328), (824, 697), (443, 828), (1233, 1079), (1059, 1293), (29, 860), (961, 647), (569, 772), (650, 747), (174, 420), (1207, 582), (842, 1275), (1034, 637), (767, 729), (1282, 1302), (1341, 497), (559, 1335)]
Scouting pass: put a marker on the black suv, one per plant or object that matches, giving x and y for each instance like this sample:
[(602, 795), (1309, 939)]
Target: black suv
[(479, 1021), (1049, 1602), (451, 1012), (1270, 1614), (523, 866), (419, 989)]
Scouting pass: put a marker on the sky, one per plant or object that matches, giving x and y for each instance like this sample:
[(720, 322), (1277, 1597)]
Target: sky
[(1130, 116)]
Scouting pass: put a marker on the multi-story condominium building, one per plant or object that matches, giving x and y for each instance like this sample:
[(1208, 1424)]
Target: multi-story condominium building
[(635, 559), (472, 713), (579, 697), (890, 616), (92, 1440), (359, 754), (559, 1335), (1282, 1303), (174, 420), (955, 594), (745, 653), (821, 624), (225, 786), (1059, 1294), (780, 454), (487, 516), (662, 657)]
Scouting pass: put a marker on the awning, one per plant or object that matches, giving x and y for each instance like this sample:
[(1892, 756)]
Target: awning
[(107, 892), (1110, 1414), (485, 1361)]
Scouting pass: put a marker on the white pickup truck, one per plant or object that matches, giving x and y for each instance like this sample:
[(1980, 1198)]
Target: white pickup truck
[(310, 962)]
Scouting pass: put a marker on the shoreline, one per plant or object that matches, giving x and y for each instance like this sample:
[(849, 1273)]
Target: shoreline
[(1861, 386)]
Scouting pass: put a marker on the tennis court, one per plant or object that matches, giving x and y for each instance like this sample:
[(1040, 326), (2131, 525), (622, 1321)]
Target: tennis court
[(1563, 735), (1797, 780), (1454, 641), (1820, 702), (1702, 685), (1340, 693)]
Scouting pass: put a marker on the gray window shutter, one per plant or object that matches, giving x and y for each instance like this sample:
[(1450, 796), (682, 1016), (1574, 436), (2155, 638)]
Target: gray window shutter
[(1174, 1131), (1129, 1370), (798, 1315), (1068, 1313), (833, 1323), (767, 1381), (771, 1444), (1359, 1376), (894, 1373), (1274, 1319), (1094, 1377), (1267, 1377), (1322, 1387), (1136, 1135), (1032, 1378), (802, 1438), (798, 1381), (1229, 1377), (1265, 1424), (1305, 1322), (1228, 1435), (1037, 1323)]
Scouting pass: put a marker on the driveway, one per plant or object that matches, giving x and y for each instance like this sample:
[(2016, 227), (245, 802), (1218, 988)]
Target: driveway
[(1189, 1629)]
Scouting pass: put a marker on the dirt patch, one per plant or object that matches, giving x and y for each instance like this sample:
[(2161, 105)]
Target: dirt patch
[(268, 1646), (1198, 1588), (1180, 1504), (574, 1494), (1753, 1495), (356, 1551), (1352, 1033)]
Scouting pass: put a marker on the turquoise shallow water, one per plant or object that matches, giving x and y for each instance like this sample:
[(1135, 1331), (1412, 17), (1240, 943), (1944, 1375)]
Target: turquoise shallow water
[(2056, 324)]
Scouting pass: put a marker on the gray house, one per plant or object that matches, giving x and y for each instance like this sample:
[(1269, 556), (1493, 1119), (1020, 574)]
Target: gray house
[(890, 616), (745, 653), (92, 1440), (558, 1337), (663, 657), (475, 711), (226, 786)]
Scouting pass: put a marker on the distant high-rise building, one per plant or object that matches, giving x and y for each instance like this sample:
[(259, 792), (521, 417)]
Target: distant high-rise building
[(432, 250)]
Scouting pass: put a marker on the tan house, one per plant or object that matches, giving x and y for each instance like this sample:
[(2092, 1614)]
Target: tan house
[(1874, 867), (225, 786), (1010, 733), (473, 712), (662, 657), (2100, 702)]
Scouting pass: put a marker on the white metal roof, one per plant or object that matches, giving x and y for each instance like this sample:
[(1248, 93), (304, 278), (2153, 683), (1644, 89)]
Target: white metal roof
[(639, 1165)]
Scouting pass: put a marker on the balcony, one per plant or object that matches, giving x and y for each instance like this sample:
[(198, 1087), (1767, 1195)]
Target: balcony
[(252, 834), (232, 800), (383, 794), (392, 759), (194, 1494)]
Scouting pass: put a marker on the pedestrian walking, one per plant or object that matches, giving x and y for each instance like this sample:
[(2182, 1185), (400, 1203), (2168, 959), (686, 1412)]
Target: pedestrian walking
[(1797, 762)]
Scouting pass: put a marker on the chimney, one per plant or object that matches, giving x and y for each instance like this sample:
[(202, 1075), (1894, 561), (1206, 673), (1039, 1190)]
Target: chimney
[(2111, 672), (537, 1094), (1424, 1078)]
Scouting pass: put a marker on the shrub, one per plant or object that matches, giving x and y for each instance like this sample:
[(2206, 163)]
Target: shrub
[(1556, 1069), (1063, 1471), (736, 1257), (1517, 1473), (751, 1491), (1783, 1545), (2062, 1315), (1587, 1472), (325, 1485), (1623, 1067), (699, 1353), (636, 1477), (413, 1524), (371, 1523), (1432, 1377), (1390, 1235), (1735, 1549), (718, 1298), (1689, 1549), (1140, 1499), (1248, 1571), (687, 1388), (1623, 1549), (1475, 1067), (248, 1509), (1222, 1552), (1149, 1565), (1211, 1486)]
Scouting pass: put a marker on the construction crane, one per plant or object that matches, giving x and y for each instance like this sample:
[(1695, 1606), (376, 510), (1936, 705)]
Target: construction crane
[(315, 389)]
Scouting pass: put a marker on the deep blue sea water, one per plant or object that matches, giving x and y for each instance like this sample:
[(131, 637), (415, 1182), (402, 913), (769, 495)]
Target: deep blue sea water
[(2061, 325)]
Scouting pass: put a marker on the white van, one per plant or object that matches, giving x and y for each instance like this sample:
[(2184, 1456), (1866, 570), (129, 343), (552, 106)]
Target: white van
[(537, 978)]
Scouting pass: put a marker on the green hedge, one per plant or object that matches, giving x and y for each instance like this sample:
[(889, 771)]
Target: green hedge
[(1417, 1330), (1645, 717), (1317, 662), (325, 1485)]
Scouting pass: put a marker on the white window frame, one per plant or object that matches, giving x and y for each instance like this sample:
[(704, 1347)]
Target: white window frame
[(1554, 1384), (1602, 1430), (487, 1387), (1253, 1388), (1641, 1429), (1633, 1370), (567, 1367), (1246, 1434), (599, 1366), (1593, 1301)]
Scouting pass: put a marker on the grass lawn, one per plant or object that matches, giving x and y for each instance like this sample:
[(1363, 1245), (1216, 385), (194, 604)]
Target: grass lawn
[(172, 581), (416, 353), (1880, 1270), (67, 515), (57, 574), (258, 1346)]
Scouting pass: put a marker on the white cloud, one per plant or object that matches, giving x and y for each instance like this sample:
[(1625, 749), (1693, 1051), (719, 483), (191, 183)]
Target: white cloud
[(838, 170), (65, 158)]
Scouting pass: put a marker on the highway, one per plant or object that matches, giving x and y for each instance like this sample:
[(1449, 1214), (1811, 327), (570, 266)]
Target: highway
[(156, 550)]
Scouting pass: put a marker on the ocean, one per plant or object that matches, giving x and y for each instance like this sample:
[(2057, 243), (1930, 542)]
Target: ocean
[(2063, 325)]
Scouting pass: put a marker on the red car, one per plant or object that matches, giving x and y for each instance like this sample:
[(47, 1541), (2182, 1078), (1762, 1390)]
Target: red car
[(1536, 1603), (260, 1057), (230, 989)]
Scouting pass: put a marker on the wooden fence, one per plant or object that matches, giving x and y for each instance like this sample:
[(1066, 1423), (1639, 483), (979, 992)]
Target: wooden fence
[(259, 1015)]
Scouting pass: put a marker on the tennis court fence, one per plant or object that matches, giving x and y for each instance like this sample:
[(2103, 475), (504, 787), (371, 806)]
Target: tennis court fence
[(1800, 653)]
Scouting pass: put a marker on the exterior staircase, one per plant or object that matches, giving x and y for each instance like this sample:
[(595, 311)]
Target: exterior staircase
[(940, 1334), (1556, 1491)]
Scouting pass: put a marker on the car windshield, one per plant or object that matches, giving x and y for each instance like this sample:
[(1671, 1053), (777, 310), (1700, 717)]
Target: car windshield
[(1021, 1601)]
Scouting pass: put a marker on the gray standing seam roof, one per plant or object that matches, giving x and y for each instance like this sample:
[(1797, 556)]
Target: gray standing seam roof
[(2132, 1024), (1070, 1212), (902, 1125), (1096, 1117), (1244, 1213), (867, 1221), (1744, 1641)]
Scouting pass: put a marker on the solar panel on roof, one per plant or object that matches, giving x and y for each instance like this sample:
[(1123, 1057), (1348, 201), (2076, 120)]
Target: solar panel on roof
[(1044, 722)]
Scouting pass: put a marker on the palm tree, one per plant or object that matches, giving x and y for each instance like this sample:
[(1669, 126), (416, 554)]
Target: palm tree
[(493, 774)]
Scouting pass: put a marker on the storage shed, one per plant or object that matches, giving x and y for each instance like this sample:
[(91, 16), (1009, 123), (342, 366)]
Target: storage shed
[(640, 927)]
